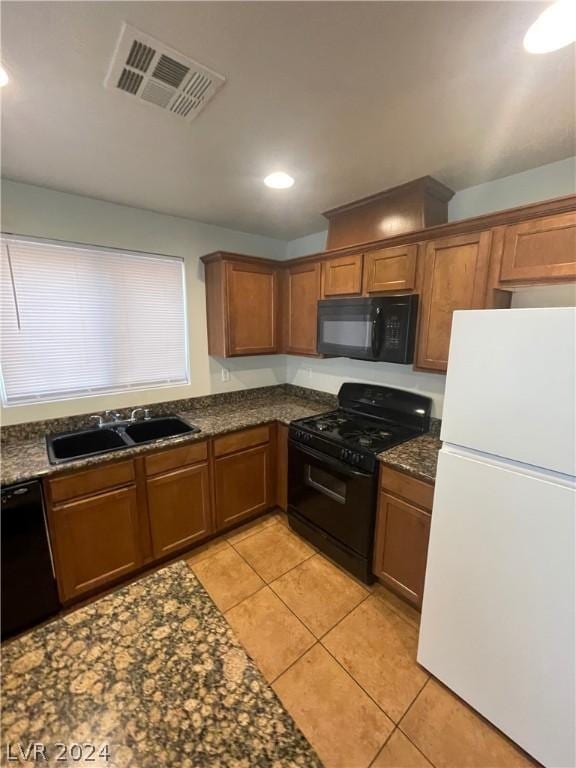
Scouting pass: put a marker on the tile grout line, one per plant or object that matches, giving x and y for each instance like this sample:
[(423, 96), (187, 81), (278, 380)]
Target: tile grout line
[(254, 532), (318, 641), (276, 577), (377, 755), (292, 663), (413, 702), (406, 713), (351, 676)]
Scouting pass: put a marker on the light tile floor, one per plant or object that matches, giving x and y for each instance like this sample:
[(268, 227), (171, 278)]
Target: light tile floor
[(342, 657)]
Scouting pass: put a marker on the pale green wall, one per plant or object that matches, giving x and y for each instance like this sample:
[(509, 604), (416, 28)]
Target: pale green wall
[(31, 210), (547, 181)]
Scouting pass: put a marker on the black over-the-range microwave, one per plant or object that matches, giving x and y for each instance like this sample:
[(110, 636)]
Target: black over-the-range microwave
[(382, 328)]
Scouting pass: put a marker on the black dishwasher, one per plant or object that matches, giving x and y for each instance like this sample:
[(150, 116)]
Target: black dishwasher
[(28, 586)]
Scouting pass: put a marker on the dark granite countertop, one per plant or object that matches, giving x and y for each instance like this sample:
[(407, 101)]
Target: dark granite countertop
[(154, 672), (24, 455), (26, 459), (417, 457)]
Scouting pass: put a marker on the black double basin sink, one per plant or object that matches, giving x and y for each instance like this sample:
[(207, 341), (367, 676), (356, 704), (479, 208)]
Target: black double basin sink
[(70, 446)]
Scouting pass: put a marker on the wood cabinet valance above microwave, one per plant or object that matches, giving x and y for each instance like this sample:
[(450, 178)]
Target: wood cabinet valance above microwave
[(261, 306)]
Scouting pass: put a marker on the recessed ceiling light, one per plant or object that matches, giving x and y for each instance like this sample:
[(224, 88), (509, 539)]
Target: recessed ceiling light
[(3, 77), (279, 180), (553, 29)]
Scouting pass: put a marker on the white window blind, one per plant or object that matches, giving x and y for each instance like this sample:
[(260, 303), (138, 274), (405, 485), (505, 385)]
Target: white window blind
[(80, 320)]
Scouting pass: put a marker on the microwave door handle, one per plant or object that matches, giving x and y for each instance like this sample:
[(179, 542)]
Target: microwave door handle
[(375, 341)]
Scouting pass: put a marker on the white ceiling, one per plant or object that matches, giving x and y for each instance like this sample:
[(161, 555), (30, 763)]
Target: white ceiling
[(349, 97)]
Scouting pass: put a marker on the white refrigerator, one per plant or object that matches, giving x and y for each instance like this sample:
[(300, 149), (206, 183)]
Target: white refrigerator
[(498, 615)]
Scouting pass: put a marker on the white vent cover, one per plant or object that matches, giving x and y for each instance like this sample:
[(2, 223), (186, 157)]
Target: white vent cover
[(152, 72)]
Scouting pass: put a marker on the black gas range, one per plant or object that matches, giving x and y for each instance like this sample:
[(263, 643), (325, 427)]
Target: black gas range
[(333, 468)]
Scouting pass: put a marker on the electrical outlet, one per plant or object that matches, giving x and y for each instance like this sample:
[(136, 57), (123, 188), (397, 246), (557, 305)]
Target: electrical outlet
[(225, 374)]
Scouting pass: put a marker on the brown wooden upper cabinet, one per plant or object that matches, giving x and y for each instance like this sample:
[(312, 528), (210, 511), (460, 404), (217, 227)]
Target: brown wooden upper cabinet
[(390, 269), (455, 277), (241, 305), (301, 294), (342, 276), (540, 250)]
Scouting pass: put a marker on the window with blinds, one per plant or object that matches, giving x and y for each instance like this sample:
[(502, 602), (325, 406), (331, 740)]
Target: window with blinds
[(80, 320)]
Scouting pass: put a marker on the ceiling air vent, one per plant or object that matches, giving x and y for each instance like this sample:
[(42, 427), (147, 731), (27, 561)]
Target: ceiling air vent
[(152, 72)]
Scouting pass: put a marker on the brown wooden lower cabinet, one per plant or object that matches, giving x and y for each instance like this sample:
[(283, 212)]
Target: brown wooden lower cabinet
[(179, 508), (402, 533), (244, 484), (109, 521), (96, 540)]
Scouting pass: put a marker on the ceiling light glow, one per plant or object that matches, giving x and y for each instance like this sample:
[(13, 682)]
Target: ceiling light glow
[(553, 29), (279, 180), (3, 77)]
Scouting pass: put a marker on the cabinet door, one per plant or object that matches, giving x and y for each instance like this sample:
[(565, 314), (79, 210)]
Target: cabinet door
[(343, 275), (96, 540), (179, 508), (390, 269), (540, 250), (244, 485), (302, 291), (252, 309), (455, 275), (401, 547)]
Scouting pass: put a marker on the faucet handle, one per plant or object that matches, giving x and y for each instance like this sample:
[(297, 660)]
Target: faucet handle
[(98, 418), (134, 412), (114, 415), (147, 414)]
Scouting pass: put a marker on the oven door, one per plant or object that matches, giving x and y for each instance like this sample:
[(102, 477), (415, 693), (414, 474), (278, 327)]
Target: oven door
[(332, 496), (349, 328)]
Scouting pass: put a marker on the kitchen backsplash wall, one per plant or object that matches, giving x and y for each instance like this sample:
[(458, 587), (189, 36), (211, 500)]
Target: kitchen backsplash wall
[(327, 375)]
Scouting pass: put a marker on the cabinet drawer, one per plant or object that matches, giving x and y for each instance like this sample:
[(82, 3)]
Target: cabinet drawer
[(91, 481), (174, 458), (407, 487), (239, 440)]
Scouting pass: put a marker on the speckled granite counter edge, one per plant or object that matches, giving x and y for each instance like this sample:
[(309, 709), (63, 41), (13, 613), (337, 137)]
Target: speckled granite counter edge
[(417, 457), (27, 459), (31, 429)]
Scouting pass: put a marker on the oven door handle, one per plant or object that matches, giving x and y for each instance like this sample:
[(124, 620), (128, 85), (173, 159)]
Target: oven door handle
[(328, 461)]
